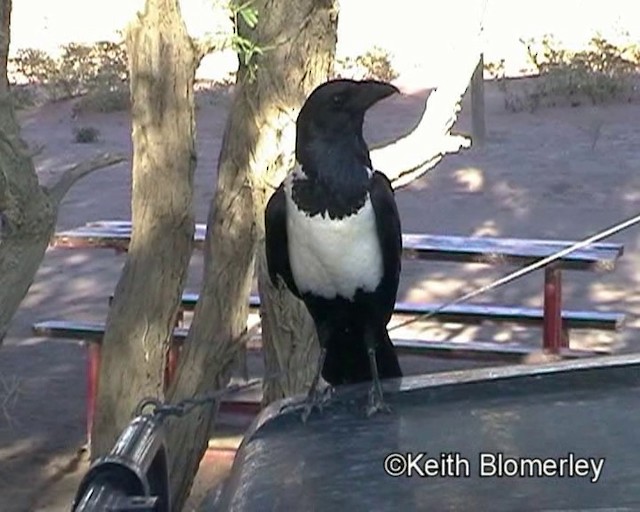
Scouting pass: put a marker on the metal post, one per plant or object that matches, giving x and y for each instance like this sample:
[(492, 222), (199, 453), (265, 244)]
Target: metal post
[(478, 126), (93, 374), (553, 340), (171, 367)]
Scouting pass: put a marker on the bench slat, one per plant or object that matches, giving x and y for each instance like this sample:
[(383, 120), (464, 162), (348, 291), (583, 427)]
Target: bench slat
[(88, 331), (596, 257), (478, 313), (489, 351)]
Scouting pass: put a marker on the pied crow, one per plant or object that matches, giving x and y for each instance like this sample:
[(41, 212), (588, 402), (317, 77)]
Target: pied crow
[(333, 236)]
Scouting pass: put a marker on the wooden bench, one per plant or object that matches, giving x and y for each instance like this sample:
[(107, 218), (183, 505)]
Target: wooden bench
[(92, 333), (479, 313), (601, 257), (555, 321)]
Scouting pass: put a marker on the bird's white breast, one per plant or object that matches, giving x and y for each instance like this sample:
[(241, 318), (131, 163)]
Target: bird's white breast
[(334, 257)]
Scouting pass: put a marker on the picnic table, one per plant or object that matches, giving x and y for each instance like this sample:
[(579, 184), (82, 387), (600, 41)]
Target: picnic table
[(556, 321), (601, 257)]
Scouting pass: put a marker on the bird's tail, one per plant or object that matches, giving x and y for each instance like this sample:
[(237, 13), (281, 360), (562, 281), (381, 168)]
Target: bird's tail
[(347, 360)]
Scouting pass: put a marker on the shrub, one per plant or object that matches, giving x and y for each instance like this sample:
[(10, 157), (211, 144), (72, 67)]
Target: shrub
[(86, 134), (23, 96), (374, 64), (600, 73), (98, 71), (104, 100)]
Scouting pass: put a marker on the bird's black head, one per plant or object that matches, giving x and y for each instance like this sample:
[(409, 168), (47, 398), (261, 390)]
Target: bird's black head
[(331, 121)]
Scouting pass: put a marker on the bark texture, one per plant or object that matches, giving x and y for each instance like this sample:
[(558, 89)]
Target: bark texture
[(27, 216), (299, 42), (28, 211), (162, 63)]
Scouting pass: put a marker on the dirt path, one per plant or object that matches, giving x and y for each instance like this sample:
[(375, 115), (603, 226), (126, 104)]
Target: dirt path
[(557, 173)]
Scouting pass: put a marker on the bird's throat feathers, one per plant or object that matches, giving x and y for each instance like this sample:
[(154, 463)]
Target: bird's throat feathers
[(335, 177)]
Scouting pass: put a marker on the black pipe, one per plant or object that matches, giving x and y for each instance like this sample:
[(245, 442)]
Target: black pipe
[(133, 476)]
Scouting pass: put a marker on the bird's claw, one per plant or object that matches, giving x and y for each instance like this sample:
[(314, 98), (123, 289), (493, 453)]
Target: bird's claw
[(376, 402), (308, 408), (327, 394), (316, 400), (378, 407)]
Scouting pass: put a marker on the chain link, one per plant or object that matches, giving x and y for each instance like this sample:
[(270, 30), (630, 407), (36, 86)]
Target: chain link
[(161, 410), (186, 406)]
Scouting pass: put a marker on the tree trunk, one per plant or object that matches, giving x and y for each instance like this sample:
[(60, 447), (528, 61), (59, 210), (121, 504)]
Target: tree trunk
[(28, 212), (299, 41), (162, 63), (5, 37), (289, 340), (27, 217)]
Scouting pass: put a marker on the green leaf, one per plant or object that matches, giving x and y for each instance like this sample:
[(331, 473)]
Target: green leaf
[(250, 16)]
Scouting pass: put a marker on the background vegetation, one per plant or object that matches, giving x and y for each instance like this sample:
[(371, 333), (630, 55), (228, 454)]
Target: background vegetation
[(602, 72)]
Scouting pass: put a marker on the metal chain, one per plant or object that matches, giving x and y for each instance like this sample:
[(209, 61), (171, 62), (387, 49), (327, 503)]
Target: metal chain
[(163, 410), (187, 405)]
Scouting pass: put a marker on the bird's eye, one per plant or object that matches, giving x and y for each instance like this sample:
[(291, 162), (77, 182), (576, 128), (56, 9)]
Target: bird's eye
[(338, 100)]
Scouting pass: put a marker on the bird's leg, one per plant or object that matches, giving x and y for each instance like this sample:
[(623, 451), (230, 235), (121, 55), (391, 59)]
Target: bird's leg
[(315, 399), (376, 401)]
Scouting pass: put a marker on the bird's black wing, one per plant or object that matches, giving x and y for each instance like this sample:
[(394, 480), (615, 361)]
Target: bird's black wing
[(390, 236), (277, 241)]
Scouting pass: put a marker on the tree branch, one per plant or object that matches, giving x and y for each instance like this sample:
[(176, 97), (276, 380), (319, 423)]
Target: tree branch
[(211, 44), (413, 155), (77, 171), (410, 157), (36, 150), (449, 144)]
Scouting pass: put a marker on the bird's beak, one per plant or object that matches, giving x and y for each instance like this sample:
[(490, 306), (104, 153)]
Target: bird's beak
[(370, 92)]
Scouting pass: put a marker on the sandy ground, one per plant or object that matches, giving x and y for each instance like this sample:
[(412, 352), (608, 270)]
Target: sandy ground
[(557, 173)]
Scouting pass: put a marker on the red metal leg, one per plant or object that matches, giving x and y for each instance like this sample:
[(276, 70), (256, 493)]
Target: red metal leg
[(93, 372), (172, 363), (553, 338)]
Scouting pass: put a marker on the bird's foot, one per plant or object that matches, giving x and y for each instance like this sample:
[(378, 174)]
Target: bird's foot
[(376, 401), (316, 400), (308, 409)]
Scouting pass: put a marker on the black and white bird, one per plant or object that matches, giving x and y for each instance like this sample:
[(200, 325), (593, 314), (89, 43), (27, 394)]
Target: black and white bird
[(333, 236)]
